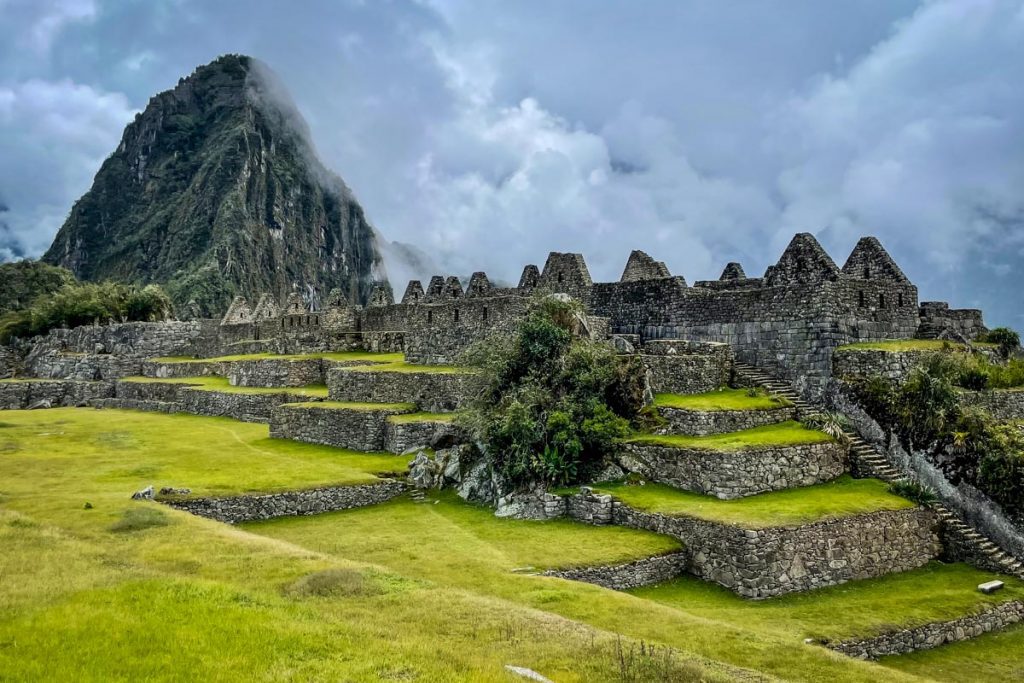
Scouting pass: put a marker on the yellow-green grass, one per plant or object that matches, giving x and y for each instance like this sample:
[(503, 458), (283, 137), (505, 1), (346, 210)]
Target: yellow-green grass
[(720, 399), (935, 592), (842, 497), (991, 658), (402, 366), (895, 345), (409, 418), (218, 383), (354, 405), (788, 433), (192, 599), (438, 602), (343, 356), (212, 456)]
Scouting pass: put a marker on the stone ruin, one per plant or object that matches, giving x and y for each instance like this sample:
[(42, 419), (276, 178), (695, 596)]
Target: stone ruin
[(789, 320)]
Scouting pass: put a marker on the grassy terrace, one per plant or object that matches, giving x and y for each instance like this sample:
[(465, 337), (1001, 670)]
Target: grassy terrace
[(720, 399), (357, 596), (843, 497), (906, 345), (219, 456), (353, 405), (789, 433), (409, 418), (346, 356), (402, 366), (936, 592), (217, 383)]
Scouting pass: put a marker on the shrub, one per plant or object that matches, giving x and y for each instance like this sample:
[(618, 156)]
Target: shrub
[(833, 424), (553, 402), (1007, 339), (914, 491), (79, 304)]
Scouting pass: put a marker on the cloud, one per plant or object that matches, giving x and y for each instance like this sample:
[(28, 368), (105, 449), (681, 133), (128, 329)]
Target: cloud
[(488, 133)]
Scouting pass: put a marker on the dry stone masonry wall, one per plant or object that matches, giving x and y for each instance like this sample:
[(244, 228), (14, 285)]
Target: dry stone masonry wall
[(622, 577), (739, 473), (354, 428), (705, 422), (430, 391)]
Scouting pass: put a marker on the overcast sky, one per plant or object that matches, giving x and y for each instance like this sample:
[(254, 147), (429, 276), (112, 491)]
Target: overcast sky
[(489, 133)]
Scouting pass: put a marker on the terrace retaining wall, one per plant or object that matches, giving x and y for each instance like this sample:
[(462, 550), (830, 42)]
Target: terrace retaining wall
[(621, 577), (678, 366), (735, 474), (81, 366), (1002, 404), (360, 430), (24, 394), (400, 437), (761, 563), (249, 508), (704, 422), (934, 634), (240, 406), (430, 391)]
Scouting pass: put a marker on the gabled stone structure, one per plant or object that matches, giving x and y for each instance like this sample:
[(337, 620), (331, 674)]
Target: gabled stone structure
[(870, 261), (266, 309), (640, 266), (381, 295), (529, 279), (238, 313), (733, 271), (479, 285), (413, 292), (435, 290)]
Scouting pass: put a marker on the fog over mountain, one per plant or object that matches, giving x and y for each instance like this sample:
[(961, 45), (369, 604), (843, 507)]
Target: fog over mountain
[(485, 134)]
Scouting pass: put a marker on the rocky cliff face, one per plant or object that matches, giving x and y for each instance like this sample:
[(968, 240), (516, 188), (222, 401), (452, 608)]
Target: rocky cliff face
[(215, 190)]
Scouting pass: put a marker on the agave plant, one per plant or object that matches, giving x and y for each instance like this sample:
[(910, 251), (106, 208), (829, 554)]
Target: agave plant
[(912, 490), (833, 424)]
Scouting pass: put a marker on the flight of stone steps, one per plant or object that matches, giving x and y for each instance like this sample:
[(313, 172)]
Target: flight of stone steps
[(871, 462)]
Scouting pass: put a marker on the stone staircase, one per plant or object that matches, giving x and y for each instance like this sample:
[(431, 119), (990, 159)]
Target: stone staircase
[(870, 462)]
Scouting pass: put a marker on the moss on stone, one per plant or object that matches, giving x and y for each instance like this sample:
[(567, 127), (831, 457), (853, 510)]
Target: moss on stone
[(721, 399), (788, 433)]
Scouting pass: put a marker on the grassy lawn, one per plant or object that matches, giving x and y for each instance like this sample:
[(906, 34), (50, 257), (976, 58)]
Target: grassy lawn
[(217, 383), (843, 497), (402, 366), (347, 356), (789, 433), (903, 345), (409, 418), (352, 405), (936, 592), (395, 592), (720, 399), (128, 450)]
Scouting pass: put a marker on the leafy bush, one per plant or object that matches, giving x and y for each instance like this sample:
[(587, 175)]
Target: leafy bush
[(22, 282), (912, 490), (1007, 339), (553, 402), (86, 304)]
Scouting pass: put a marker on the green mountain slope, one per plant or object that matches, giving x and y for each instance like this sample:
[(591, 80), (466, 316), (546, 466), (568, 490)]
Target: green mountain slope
[(215, 190)]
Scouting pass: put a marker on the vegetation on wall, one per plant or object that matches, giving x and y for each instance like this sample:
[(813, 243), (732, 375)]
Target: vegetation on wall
[(1008, 340), (553, 401), (926, 413), (23, 282), (86, 304)]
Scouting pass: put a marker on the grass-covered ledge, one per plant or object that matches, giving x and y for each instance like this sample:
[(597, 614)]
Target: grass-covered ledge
[(413, 418), (842, 497), (354, 405), (788, 433), (902, 345), (721, 399), (341, 356), (402, 366), (217, 383)]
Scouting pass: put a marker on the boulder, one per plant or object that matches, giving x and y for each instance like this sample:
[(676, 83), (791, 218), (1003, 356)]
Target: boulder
[(144, 494)]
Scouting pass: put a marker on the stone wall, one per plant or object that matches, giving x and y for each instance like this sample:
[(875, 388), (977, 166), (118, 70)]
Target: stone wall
[(430, 391), (272, 372), (761, 563), (245, 407), (1002, 404), (621, 577), (739, 473), (249, 508), (137, 340), (356, 429), (704, 422), (938, 319), (934, 634), (10, 362), (23, 394), (679, 366), (165, 392), (87, 367), (400, 437), (193, 368)]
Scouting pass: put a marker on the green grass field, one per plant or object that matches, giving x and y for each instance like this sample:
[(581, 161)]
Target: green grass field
[(353, 405), (842, 497), (903, 345), (217, 383), (782, 434), (720, 399), (435, 591), (409, 418), (344, 356)]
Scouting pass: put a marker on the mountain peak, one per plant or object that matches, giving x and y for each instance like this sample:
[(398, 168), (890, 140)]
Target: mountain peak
[(215, 191)]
